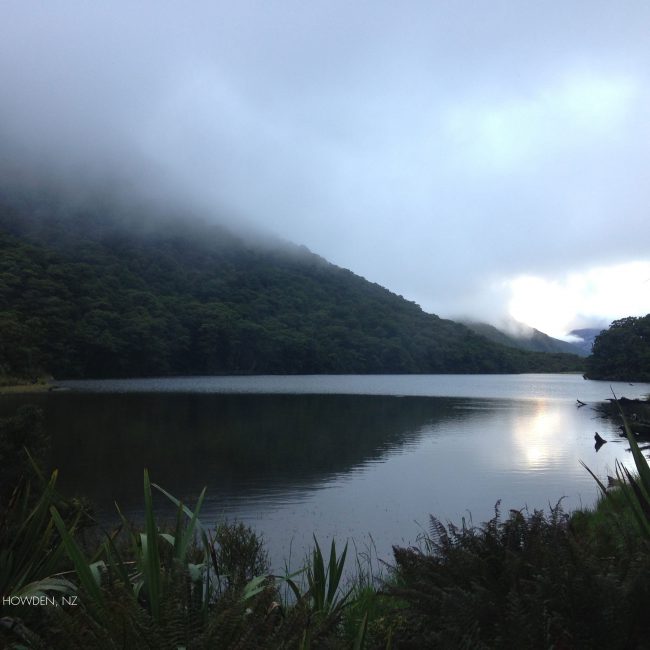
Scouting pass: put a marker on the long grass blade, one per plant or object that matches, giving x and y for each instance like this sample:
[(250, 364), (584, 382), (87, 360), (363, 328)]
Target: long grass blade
[(316, 578), (152, 568), (360, 640), (33, 550), (294, 587), (335, 573), (115, 560), (183, 540), (174, 500), (638, 493), (639, 459), (84, 572), (331, 571), (635, 507), (603, 489), (253, 587), (188, 536)]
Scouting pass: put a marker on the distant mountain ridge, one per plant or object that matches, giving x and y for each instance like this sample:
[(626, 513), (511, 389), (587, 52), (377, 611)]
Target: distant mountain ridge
[(93, 291), (526, 338), (587, 337)]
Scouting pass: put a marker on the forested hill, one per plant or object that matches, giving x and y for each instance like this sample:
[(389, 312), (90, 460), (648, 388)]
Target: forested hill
[(82, 295)]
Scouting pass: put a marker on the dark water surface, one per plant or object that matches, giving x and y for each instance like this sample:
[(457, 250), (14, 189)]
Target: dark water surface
[(358, 457)]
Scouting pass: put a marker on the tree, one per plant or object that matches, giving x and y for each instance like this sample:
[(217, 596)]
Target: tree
[(622, 352)]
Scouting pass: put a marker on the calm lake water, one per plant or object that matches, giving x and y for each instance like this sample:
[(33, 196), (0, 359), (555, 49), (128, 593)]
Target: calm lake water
[(364, 458)]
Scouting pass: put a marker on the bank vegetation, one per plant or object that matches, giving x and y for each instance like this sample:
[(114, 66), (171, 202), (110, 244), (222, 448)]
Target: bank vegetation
[(523, 579)]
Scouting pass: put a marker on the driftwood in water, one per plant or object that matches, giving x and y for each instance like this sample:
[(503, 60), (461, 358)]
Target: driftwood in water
[(635, 411), (600, 441)]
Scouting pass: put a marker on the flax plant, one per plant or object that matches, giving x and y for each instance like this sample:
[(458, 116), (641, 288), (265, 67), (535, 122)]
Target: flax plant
[(30, 551), (638, 496), (635, 489), (163, 589), (151, 574), (31, 555), (324, 581)]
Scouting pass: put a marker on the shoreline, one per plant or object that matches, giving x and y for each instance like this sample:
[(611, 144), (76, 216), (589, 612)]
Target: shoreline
[(18, 388)]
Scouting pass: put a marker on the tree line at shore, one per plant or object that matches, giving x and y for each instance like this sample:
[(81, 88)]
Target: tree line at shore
[(622, 352)]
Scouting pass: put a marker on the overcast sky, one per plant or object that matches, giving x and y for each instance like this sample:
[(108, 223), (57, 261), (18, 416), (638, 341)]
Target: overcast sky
[(480, 158)]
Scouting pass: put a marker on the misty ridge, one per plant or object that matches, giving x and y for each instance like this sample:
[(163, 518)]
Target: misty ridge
[(104, 284), (113, 202), (443, 167)]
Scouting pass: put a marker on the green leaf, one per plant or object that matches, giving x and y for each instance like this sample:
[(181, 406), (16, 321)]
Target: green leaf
[(639, 459), (84, 572), (41, 587), (184, 539), (360, 640), (254, 587), (152, 567), (196, 571), (603, 489)]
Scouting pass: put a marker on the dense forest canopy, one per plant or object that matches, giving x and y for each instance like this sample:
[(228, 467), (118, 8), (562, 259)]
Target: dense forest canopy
[(83, 295), (622, 352)]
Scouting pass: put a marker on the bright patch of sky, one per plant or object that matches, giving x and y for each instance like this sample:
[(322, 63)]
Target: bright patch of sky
[(559, 305), (575, 111)]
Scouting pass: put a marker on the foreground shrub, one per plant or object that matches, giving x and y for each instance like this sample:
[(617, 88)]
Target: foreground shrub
[(240, 555), (525, 582), (32, 555)]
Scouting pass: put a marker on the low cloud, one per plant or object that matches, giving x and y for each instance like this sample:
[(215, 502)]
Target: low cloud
[(448, 152)]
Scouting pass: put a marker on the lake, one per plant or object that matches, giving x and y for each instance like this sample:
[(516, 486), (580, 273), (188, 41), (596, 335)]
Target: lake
[(359, 458)]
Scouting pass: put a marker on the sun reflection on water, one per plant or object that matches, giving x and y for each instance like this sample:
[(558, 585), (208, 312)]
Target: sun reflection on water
[(538, 435)]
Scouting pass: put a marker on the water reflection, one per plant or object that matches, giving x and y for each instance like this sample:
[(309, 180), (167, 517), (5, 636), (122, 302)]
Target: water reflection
[(538, 435), (240, 446), (335, 465)]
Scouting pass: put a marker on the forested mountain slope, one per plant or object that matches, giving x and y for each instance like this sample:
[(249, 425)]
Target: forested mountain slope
[(84, 295)]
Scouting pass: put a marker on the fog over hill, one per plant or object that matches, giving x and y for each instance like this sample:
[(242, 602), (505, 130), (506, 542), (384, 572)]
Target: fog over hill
[(104, 289), (585, 337), (517, 335), (481, 159)]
